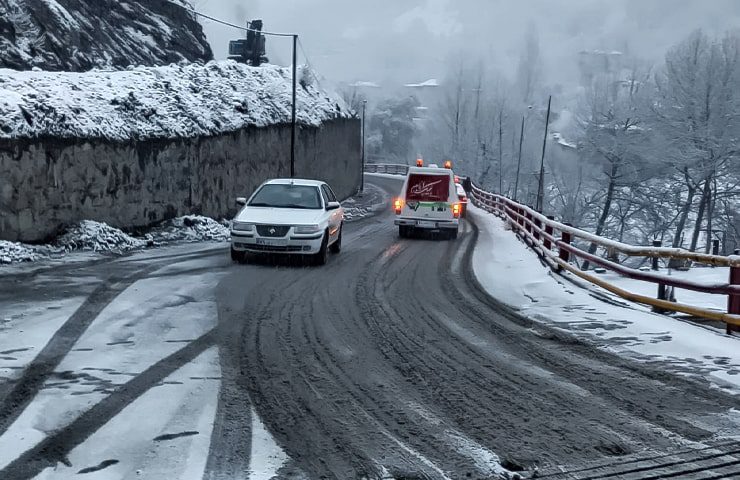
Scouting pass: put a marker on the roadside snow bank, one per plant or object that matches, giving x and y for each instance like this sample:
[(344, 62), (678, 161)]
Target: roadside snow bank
[(100, 237), (512, 273), (176, 101), (97, 237), (357, 207), (12, 252), (191, 228)]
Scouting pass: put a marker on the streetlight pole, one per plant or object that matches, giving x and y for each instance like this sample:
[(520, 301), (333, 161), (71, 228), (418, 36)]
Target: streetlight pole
[(292, 113), (541, 186), (500, 152), (362, 180), (519, 163)]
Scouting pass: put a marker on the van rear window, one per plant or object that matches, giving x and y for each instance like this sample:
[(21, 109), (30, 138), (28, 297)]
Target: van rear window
[(428, 188)]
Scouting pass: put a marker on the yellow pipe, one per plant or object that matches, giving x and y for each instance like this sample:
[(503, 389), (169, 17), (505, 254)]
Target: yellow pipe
[(665, 304)]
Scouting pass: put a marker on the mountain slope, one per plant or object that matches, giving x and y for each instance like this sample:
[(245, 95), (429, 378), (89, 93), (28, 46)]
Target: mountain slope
[(78, 35)]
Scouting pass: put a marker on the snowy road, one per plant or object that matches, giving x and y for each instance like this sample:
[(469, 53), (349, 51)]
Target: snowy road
[(389, 362)]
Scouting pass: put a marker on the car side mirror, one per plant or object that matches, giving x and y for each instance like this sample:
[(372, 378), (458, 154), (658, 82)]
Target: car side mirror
[(333, 205), (241, 201)]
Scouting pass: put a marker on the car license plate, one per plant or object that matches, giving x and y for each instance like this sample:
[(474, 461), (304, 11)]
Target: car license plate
[(423, 224), (271, 243)]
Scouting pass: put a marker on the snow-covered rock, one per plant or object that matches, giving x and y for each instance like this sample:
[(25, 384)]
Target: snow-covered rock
[(73, 35), (98, 237), (190, 228), (176, 101), (14, 252)]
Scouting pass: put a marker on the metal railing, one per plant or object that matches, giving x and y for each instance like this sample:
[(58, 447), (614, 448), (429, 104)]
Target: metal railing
[(553, 241)]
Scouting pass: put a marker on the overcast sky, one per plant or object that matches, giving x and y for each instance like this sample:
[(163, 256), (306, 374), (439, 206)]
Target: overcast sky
[(401, 41)]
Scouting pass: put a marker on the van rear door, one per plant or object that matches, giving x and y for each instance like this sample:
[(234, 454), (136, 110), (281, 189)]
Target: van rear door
[(428, 196)]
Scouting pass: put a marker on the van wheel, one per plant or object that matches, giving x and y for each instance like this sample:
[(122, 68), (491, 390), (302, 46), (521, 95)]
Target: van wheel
[(452, 235), (336, 247), (323, 255), (403, 231)]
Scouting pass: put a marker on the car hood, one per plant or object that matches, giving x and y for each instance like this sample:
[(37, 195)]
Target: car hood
[(279, 216)]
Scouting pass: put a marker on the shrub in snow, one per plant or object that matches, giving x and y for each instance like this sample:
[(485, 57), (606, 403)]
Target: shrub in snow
[(98, 237)]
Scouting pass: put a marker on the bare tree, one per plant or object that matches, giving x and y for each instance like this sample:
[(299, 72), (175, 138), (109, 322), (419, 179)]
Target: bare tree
[(530, 65)]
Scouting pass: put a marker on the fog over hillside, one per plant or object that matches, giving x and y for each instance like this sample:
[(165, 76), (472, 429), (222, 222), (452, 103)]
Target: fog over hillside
[(411, 40)]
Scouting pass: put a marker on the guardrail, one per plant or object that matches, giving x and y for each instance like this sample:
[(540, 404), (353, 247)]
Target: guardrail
[(552, 240), (392, 168)]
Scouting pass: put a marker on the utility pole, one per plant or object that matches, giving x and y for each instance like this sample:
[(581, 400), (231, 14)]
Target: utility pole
[(519, 163), (541, 186), (292, 113), (500, 153), (362, 181)]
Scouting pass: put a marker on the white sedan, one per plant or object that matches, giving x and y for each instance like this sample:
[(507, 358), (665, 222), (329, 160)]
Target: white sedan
[(288, 216)]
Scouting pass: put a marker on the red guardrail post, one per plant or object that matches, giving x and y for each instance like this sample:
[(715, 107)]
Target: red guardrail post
[(528, 224), (565, 238), (733, 301), (538, 226), (656, 243), (548, 231)]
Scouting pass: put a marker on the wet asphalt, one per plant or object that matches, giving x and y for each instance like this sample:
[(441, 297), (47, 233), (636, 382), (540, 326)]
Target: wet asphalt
[(389, 362)]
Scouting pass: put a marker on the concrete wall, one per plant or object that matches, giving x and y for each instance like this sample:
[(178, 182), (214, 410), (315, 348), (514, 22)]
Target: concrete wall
[(48, 183)]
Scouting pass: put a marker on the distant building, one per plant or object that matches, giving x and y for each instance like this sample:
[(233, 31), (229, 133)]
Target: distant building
[(599, 62), (426, 93), (363, 84), (431, 83)]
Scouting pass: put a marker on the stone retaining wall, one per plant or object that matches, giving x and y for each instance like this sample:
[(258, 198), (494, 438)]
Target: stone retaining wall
[(48, 183)]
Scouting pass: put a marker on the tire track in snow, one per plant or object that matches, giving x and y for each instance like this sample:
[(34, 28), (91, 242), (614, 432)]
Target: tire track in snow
[(57, 446), (16, 395)]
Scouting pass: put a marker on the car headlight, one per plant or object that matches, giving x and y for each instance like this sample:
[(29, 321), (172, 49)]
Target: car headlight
[(307, 229), (242, 226)]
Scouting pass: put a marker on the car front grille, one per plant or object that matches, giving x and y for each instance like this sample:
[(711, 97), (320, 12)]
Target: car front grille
[(274, 231), (272, 248)]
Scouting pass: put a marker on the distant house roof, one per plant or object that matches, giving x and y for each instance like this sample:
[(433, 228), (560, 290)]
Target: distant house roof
[(360, 84), (600, 52), (432, 82), (561, 141)]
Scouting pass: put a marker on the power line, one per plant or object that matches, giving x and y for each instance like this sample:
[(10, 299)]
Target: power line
[(246, 29), (308, 64)]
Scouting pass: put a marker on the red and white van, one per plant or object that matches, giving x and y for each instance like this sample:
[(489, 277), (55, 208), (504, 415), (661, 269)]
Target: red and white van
[(428, 201)]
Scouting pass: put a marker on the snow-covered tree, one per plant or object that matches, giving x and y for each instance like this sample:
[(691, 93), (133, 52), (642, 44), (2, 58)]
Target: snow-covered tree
[(697, 110), (391, 128), (616, 137)]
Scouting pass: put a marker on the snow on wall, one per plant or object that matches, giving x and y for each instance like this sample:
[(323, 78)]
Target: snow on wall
[(176, 101)]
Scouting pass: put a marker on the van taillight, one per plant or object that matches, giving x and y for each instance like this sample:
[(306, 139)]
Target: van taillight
[(397, 206), (456, 210)]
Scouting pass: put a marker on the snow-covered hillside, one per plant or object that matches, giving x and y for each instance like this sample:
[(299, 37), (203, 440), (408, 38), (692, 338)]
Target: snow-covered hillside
[(156, 102), (77, 35)]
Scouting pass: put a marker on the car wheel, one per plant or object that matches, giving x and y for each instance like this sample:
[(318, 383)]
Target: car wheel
[(336, 247), (323, 255), (237, 256)]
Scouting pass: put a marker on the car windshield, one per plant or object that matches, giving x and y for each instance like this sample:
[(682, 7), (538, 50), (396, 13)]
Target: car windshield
[(287, 196)]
